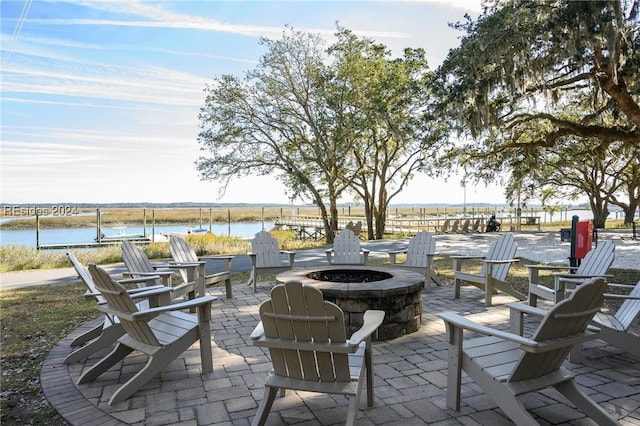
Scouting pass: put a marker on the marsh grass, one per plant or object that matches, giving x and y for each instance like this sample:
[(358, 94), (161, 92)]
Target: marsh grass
[(19, 258)]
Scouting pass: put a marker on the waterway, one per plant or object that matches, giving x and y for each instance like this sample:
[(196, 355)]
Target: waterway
[(88, 235)]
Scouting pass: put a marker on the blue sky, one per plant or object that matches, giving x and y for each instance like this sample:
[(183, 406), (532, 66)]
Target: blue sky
[(100, 99)]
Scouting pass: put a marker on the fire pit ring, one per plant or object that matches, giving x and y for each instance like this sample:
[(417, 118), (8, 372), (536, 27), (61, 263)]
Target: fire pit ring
[(396, 291)]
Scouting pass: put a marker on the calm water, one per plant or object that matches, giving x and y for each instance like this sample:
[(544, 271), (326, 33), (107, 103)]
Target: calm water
[(88, 235)]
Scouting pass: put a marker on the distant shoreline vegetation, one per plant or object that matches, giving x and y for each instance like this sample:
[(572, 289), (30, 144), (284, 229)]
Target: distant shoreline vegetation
[(68, 215)]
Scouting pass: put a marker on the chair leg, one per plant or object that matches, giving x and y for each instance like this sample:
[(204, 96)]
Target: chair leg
[(229, 288), (514, 409), (265, 406), (108, 336), (153, 367), (116, 355), (571, 391), (89, 335)]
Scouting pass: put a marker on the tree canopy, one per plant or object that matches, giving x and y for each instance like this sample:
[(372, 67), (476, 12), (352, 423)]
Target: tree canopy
[(533, 77), (327, 121)]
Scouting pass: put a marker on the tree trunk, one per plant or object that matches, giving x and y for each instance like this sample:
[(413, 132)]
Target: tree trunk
[(630, 211), (380, 218), (600, 210)]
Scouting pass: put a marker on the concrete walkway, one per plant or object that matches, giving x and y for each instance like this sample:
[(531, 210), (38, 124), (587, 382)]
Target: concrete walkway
[(544, 247), (410, 371)]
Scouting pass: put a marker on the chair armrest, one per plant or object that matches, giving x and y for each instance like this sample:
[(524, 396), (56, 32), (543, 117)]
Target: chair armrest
[(499, 262), (576, 276), (516, 316), (396, 252), (226, 260), (621, 296), (189, 304), (452, 319), (90, 295), (149, 274), (526, 309), (371, 321), (547, 267), (467, 257), (186, 264), (137, 280), (291, 254), (219, 257), (257, 332)]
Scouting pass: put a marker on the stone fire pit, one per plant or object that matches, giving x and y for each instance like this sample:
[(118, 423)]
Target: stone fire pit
[(356, 288)]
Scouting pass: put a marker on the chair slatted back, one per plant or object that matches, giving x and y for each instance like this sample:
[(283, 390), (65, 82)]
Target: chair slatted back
[(134, 258), (346, 248), (465, 225), (567, 318), (446, 225), (266, 248), (85, 276), (629, 309), (298, 313), (455, 225), (503, 248), (181, 252), (119, 300), (598, 260), (420, 245)]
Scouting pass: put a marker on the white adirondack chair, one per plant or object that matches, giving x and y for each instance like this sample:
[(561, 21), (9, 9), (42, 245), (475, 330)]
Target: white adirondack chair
[(346, 250), (183, 253), (139, 265), (595, 264), (420, 253), (309, 348), (507, 365), (110, 330), (162, 333), (495, 267), (266, 257)]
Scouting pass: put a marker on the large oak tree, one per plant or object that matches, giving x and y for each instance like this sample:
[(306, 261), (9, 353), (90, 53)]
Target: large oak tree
[(531, 75)]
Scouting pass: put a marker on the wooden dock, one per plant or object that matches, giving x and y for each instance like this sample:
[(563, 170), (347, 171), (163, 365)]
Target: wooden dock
[(313, 226)]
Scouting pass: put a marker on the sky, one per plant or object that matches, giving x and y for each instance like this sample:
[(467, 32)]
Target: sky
[(100, 99)]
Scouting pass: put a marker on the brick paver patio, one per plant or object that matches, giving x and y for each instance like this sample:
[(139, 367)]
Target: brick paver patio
[(410, 378)]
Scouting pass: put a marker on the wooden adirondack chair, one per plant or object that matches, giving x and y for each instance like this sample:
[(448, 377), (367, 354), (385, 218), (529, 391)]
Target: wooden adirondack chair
[(444, 228), (182, 253), (346, 250), (266, 257), (309, 348), (110, 330), (616, 329), (455, 226), (465, 225), (495, 267), (507, 365), (162, 333), (139, 265), (420, 253), (476, 225), (595, 264)]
